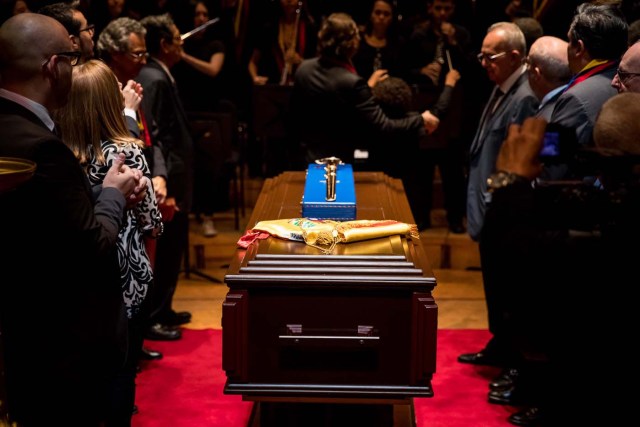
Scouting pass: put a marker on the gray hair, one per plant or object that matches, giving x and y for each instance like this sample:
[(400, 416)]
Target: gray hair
[(115, 36), (513, 36)]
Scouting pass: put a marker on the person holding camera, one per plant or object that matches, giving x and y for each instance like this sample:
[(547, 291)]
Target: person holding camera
[(564, 246)]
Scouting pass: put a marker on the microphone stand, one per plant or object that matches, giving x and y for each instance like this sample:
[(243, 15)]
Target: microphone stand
[(188, 270)]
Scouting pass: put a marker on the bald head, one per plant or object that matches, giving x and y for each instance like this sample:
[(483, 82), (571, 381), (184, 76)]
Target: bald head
[(31, 63), (26, 41), (617, 126), (549, 65), (550, 46)]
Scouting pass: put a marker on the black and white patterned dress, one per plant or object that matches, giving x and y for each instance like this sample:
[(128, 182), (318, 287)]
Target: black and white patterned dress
[(142, 220)]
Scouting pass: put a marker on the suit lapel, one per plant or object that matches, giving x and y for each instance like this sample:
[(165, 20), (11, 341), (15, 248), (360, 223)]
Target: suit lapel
[(499, 112)]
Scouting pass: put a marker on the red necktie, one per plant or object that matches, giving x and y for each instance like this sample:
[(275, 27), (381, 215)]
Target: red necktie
[(144, 129)]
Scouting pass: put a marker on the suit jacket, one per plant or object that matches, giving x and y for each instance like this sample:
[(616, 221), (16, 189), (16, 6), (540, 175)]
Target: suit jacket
[(578, 106), (517, 104), (333, 112), (153, 155), (61, 308), (170, 130)]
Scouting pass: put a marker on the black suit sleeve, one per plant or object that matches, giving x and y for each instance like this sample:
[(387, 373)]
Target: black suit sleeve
[(66, 193), (132, 127)]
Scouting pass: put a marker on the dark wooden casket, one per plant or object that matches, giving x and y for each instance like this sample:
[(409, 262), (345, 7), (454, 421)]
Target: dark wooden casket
[(356, 327)]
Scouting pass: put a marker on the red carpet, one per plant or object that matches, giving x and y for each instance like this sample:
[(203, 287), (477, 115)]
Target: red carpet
[(184, 389)]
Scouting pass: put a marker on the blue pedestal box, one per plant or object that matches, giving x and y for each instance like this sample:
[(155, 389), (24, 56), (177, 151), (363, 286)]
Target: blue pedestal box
[(314, 202)]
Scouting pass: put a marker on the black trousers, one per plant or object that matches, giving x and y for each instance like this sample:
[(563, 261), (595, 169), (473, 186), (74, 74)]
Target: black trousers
[(169, 252)]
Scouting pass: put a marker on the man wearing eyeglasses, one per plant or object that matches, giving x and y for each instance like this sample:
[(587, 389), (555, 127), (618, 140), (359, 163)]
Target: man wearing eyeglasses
[(512, 101), (61, 309), (170, 129), (74, 21), (627, 78)]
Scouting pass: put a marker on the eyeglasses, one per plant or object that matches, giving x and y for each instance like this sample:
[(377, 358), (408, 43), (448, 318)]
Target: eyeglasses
[(624, 76), (490, 58), (90, 28), (74, 57), (138, 56)]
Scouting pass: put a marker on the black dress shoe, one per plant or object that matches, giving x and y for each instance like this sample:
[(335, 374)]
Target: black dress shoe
[(480, 358), (527, 417), (160, 332), (148, 354), (505, 380), (514, 396), (175, 318)]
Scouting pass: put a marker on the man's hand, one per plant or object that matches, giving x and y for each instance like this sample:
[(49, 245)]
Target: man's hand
[(377, 76), (132, 94), (431, 122), (449, 31), (160, 188), (168, 209), (122, 177), (520, 152), (432, 71), (139, 192), (452, 78)]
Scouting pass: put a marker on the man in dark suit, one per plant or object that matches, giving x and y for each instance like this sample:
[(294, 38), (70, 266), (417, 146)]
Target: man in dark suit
[(512, 100), (61, 310), (597, 40), (548, 71), (525, 377), (333, 111), (170, 130)]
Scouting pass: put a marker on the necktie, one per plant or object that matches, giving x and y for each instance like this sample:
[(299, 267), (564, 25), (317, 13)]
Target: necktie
[(491, 107), (493, 103), (144, 129)]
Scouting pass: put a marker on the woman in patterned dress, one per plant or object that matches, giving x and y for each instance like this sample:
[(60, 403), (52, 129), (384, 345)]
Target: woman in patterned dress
[(93, 125)]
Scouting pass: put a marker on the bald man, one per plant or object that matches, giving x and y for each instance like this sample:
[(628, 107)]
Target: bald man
[(627, 79), (548, 72), (61, 311)]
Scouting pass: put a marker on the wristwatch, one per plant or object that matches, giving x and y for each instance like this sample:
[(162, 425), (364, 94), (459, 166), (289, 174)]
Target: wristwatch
[(501, 179)]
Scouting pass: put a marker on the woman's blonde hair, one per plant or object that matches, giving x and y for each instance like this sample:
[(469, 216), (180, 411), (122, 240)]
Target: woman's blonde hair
[(94, 112)]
